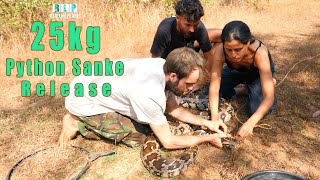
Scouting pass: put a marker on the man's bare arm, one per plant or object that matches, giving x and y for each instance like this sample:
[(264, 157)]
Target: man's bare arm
[(170, 141), (184, 115)]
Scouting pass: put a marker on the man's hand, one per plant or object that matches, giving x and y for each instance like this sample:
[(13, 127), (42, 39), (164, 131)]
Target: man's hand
[(215, 126), (216, 139), (245, 130)]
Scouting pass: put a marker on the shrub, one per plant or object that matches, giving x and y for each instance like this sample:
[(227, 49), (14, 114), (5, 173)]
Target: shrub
[(17, 16)]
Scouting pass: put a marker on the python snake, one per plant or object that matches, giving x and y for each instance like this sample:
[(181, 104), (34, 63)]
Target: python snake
[(160, 165)]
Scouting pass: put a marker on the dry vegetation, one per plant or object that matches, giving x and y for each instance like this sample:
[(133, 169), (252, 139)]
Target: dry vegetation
[(289, 28)]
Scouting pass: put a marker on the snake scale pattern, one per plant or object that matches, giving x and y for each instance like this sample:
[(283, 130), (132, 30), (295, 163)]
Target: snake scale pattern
[(164, 166)]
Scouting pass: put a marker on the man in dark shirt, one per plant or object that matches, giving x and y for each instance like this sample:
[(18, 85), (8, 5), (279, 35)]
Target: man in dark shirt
[(186, 29)]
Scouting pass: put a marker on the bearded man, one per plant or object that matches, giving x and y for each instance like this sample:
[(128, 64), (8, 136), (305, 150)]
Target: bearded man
[(185, 30), (139, 99)]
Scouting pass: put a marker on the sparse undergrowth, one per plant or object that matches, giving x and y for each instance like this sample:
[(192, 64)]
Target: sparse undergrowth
[(128, 27)]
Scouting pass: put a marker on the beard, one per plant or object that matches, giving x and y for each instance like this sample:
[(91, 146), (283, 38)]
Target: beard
[(185, 34), (173, 87)]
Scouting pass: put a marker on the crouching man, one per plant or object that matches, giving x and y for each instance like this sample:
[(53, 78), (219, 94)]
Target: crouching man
[(140, 97)]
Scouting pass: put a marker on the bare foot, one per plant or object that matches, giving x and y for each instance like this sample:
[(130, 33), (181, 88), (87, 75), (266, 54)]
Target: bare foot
[(69, 129), (274, 81), (241, 90)]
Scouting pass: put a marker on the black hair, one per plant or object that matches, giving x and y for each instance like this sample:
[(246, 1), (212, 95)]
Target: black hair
[(192, 10), (237, 30)]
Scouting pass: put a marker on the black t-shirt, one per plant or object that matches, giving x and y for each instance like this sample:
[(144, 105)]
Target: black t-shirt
[(167, 38)]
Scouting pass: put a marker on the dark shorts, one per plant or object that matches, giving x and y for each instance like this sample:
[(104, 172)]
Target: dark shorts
[(231, 78), (114, 127)]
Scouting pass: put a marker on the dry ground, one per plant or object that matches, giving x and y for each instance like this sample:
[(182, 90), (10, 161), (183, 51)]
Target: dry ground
[(290, 29)]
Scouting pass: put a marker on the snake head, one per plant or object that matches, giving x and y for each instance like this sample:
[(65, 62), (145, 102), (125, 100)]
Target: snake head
[(230, 143)]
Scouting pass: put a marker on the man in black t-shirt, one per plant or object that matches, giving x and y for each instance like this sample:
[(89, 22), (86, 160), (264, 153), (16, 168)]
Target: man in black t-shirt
[(186, 29)]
